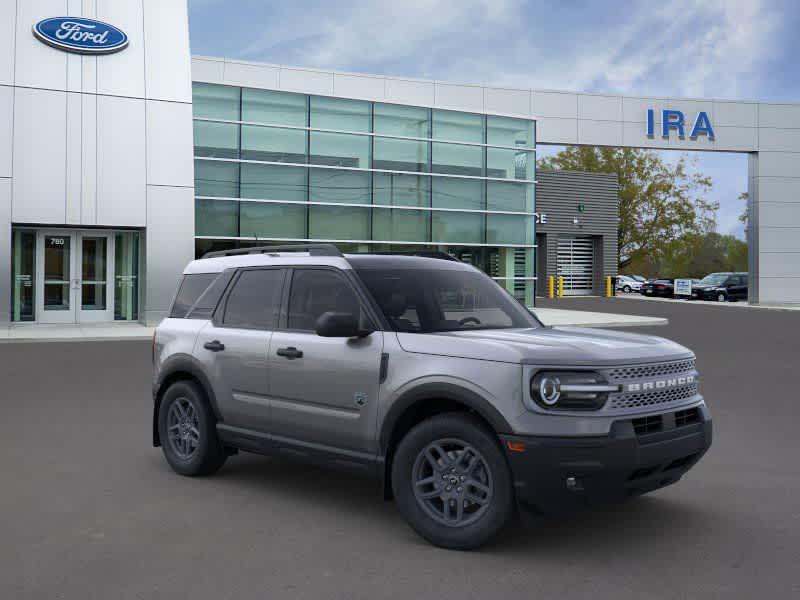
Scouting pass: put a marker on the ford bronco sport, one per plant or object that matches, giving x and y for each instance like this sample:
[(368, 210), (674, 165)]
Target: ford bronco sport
[(424, 373)]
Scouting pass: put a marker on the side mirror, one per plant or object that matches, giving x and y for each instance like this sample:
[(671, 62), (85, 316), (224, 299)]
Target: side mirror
[(338, 324)]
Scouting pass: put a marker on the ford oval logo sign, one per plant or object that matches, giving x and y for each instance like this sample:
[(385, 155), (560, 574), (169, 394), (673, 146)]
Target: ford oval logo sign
[(76, 34)]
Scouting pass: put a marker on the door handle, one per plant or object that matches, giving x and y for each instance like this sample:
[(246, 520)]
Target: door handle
[(291, 352), (214, 346)]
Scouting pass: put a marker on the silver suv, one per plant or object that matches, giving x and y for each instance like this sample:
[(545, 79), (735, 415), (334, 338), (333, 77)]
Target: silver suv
[(425, 374)]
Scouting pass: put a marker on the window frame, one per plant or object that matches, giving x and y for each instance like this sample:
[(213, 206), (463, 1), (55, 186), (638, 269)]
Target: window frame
[(219, 312), (366, 302)]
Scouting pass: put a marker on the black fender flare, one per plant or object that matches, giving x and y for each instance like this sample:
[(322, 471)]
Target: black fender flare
[(440, 391), (181, 363)]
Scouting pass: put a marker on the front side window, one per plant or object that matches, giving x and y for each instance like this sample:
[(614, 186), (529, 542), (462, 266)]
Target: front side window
[(254, 300), (442, 300), (317, 291)]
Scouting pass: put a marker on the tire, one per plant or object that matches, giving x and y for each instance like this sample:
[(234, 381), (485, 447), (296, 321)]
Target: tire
[(627, 289), (198, 451), (721, 297), (461, 438)]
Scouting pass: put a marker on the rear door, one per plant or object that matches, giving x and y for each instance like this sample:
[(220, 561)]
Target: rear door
[(233, 346), (324, 390)]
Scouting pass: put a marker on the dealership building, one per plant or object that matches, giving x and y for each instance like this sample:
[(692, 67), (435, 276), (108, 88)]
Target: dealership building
[(122, 157)]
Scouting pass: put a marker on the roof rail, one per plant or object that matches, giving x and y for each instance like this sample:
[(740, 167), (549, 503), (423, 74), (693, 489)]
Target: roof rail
[(313, 250), (422, 253)]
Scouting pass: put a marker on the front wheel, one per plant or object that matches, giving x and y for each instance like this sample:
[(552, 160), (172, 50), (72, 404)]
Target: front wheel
[(452, 483), (721, 297), (627, 289), (187, 429)]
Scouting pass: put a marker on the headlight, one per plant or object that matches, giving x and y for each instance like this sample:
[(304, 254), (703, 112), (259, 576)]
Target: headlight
[(570, 390)]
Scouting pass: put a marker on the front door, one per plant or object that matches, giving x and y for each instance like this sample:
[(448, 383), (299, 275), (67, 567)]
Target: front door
[(324, 390), (73, 271)]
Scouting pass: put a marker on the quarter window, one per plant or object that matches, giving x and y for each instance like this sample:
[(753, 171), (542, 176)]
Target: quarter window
[(253, 302), (317, 291), (191, 288)]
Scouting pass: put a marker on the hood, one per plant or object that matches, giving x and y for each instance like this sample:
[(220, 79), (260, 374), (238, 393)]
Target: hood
[(577, 346)]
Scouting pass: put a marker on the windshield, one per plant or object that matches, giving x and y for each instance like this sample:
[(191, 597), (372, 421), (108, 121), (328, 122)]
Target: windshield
[(433, 300), (714, 279)]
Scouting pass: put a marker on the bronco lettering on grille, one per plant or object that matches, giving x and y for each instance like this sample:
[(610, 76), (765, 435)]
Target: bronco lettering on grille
[(659, 384)]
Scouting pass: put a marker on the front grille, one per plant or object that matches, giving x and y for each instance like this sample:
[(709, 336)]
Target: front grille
[(651, 398), (647, 371), (645, 425)]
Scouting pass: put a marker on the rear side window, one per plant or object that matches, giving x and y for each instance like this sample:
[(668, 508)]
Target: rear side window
[(191, 289), (254, 300), (316, 291)]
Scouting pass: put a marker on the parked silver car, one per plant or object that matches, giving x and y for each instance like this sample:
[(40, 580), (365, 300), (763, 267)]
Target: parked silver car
[(425, 374), (628, 284)]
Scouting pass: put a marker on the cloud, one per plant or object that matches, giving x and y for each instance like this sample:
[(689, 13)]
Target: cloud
[(687, 47)]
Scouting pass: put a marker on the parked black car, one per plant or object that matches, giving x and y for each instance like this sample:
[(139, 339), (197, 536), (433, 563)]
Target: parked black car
[(663, 288), (721, 287)]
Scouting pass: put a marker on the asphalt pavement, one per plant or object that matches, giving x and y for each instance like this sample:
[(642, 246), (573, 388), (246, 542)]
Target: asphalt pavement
[(91, 511)]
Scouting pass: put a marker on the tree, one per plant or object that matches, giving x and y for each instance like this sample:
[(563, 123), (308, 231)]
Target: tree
[(659, 202)]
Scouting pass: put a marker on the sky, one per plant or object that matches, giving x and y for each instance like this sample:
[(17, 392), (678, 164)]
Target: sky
[(733, 49)]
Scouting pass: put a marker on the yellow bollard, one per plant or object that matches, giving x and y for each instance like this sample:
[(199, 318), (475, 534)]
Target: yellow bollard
[(608, 287), (561, 286), (551, 287)]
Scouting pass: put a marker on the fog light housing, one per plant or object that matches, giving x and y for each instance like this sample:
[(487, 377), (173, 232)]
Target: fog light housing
[(570, 390)]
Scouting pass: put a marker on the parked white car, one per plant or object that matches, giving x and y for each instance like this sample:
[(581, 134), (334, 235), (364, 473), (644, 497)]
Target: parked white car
[(627, 284)]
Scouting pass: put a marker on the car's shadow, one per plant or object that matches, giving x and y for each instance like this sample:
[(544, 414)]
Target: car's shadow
[(635, 524)]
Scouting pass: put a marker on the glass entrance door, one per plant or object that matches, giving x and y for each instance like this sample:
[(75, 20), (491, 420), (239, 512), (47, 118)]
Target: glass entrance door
[(94, 302), (73, 272), (55, 274)]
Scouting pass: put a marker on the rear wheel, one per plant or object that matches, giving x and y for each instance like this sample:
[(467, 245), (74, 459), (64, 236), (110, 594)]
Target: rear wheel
[(451, 482), (187, 429), (627, 289)]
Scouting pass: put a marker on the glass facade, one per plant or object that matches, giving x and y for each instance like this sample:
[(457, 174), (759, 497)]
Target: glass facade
[(282, 167)]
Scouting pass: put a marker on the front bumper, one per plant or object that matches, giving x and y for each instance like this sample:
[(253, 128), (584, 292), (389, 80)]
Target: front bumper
[(559, 474)]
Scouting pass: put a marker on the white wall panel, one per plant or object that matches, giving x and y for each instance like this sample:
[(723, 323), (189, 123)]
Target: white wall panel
[(507, 102), (169, 246), (5, 250), (74, 159), (250, 75), (738, 139), (358, 86), (89, 159), (555, 104), (599, 108), (604, 133), (556, 131), (779, 264), (635, 135), (778, 239), (735, 114), (307, 81), (779, 214), (169, 143), (408, 91), (121, 169), (779, 164), (39, 156), (634, 109), (8, 23), (464, 97), (779, 189), (166, 36), (122, 73), (779, 290), (6, 127), (36, 64), (779, 115), (208, 70), (781, 140)]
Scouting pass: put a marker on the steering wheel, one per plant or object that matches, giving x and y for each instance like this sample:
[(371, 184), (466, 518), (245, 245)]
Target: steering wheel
[(466, 320)]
